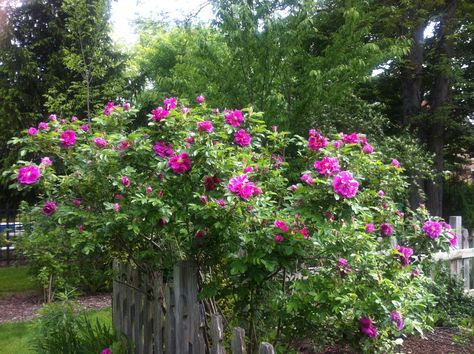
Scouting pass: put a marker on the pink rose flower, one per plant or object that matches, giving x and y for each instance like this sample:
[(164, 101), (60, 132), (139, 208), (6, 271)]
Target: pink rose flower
[(381, 193), (49, 208), (405, 254), (52, 117), (117, 207), (351, 138), (73, 118), (327, 166), (396, 164), (29, 175), (85, 127), (109, 108), (32, 131), (308, 179), (76, 202), (205, 126), (106, 351), (148, 189), (180, 163), (100, 143), (124, 144), (159, 113), (126, 181), (200, 99), (369, 228), (221, 202), (367, 149), (241, 186), (432, 228), (337, 144), (211, 182), (281, 225), (163, 149), (46, 161), (43, 126), (345, 185), (234, 118), (62, 121), (204, 199), (126, 106), (386, 230), (242, 138), (367, 327), (185, 110), (317, 141), (68, 138), (278, 238), (169, 103)]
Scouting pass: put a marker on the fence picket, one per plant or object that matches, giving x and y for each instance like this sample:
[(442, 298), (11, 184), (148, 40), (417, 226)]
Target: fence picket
[(266, 348), (238, 341), (217, 335)]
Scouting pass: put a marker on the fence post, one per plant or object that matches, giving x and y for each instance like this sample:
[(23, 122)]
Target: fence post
[(238, 341), (217, 335), (456, 225), (465, 242), (266, 348)]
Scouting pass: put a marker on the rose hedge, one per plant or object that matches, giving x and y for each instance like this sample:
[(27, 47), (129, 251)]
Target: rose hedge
[(311, 257)]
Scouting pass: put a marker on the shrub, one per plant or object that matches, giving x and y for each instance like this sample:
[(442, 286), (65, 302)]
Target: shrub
[(287, 253)]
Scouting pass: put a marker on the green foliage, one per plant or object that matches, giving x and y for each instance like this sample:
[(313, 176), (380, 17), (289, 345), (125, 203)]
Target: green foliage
[(453, 305), (459, 200), (278, 282), (61, 329)]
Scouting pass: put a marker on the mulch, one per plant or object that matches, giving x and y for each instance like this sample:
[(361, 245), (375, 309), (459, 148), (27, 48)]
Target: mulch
[(443, 340), (25, 307)]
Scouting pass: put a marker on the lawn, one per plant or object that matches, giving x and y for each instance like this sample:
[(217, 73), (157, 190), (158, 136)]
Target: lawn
[(15, 337), (16, 280)]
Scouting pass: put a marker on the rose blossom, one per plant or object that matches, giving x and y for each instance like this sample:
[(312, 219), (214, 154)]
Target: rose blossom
[(221, 202), (109, 108), (125, 181), (148, 189), (211, 183), (49, 208), (278, 238), (234, 118), (345, 185), (241, 186), (204, 199), (117, 207), (453, 240), (343, 265), (74, 118), (85, 127), (396, 164), (369, 228), (62, 121), (32, 131), (163, 149), (159, 113), (307, 179), (406, 253), (242, 138), (180, 163), (367, 149), (200, 99), (396, 317), (43, 126), (381, 193), (281, 225), (169, 103), (100, 143), (432, 229), (126, 106), (68, 138), (337, 144), (185, 110), (106, 351), (351, 138), (200, 234), (317, 141), (28, 175), (53, 117), (124, 144), (327, 166), (386, 230), (46, 161), (205, 126), (367, 327), (76, 202)]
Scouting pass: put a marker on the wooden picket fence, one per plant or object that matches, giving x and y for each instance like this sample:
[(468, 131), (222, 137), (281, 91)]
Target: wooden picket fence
[(461, 258), (162, 317)]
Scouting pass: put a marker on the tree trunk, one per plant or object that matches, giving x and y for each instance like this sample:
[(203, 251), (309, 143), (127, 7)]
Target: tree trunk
[(411, 87), (440, 106)]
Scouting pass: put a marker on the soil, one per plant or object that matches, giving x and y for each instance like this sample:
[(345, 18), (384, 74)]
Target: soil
[(25, 307)]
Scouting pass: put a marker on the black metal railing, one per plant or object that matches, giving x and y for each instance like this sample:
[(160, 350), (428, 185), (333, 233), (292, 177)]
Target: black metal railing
[(12, 225)]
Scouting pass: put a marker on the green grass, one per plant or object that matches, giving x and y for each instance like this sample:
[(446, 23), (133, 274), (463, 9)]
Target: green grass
[(16, 280), (15, 338)]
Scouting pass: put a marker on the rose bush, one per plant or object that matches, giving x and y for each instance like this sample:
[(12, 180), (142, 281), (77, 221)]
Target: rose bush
[(298, 247)]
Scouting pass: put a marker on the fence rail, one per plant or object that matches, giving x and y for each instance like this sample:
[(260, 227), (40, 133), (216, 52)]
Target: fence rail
[(461, 258), (11, 226), (162, 317)]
